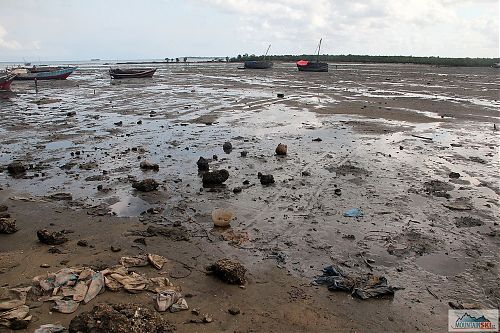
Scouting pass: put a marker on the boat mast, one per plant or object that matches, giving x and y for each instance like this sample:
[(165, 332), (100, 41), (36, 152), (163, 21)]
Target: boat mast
[(265, 55), (319, 48)]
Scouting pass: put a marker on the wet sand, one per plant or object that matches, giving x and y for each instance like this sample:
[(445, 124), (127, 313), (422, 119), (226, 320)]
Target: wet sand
[(371, 119)]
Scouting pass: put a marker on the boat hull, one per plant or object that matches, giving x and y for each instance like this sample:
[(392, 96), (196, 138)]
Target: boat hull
[(6, 81), (313, 67), (59, 74), (258, 64), (131, 74)]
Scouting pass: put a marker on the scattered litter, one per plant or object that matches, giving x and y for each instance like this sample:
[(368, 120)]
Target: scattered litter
[(51, 328), (229, 271), (137, 261), (361, 286), (222, 217), (354, 212), (156, 260)]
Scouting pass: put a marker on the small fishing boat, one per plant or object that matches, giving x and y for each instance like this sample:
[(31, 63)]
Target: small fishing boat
[(308, 66), (131, 73), (5, 80), (42, 73), (259, 64)]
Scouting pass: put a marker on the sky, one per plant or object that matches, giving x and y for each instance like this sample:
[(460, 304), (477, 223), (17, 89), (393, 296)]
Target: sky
[(33, 30)]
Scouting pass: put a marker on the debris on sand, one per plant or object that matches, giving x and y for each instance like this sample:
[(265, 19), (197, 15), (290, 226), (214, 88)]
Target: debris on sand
[(214, 178), (7, 226), (62, 196), (120, 318), (170, 299), (222, 217), (16, 168), (156, 260), (361, 286), (147, 165), (353, 212), (51, 238), (146, 185), (266, 179), (227, 147), (14, 313), (467, 222), (317, 140), (51, 328), (202, 164), (229, 271), (281, 149)]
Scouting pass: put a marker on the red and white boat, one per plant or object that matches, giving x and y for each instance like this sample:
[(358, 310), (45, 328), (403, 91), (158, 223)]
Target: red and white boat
[(5, 80)]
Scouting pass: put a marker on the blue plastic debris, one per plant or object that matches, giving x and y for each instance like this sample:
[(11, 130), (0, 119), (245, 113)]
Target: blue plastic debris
[(354, 212)]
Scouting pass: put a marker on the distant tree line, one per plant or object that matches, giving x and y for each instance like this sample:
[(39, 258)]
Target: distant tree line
[(437, 61)]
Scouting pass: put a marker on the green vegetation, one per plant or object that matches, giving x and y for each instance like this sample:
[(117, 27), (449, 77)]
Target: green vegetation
[(436, 61)]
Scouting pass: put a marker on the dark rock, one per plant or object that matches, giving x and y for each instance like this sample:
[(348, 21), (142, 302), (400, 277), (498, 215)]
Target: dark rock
[(467, 222), (246, 182), (3, 208), (120, 318), (146, 185), (115, 248), (317, 140), (259, 174), (119, 123), (306, 173), (82, 243), (16, 168), (244, 153), (215, 177), (140, 240), (281, 149), (68, 166), (4, 215), (454, 175), (202, 164), (280, 95), (71, 114), (147, 165), (7, 226), (215, 157), (229, 271), (139, 122), (237, 190), (337, 191), (234, 311), (266, 179), (54, 250), (62, 196), (227, 146), (51, 238)]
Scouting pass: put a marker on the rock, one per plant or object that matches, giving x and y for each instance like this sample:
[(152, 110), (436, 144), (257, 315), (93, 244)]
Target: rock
[(82, 243), (215, 157), (229, 271), (280, 95), (71, 114), (237, 190), (115, 248), (227, 146), (3, 208), (244, 153), (140, 240), (266, 179), (234, 311), (202, 164), (454, 175), (246, 182), (119, 123), (337, 191), (7, 226), (467, 222), (4, 215), (54, 250), (215, 177), (61, 196), (146, 185), (120, 318), (317, 140), (139, 122), (16, 168), (147, 165), (51, 238), (281, 149), (45, 266), (306, 173)]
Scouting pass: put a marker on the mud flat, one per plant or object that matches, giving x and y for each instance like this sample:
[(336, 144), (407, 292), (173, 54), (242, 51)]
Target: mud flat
[(410, 150)]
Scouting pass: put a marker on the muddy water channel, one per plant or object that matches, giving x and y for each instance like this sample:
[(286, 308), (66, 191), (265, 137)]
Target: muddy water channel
[(390, 137)]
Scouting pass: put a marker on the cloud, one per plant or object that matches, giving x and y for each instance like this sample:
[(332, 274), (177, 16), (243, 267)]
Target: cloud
[(6, 44), (418, 27)]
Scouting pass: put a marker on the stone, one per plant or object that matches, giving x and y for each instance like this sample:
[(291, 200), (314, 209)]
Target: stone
[(147, 165), (146, 185), (229, 271), (281, 149), (202, 164), (266, 179), (215, 177), (16, 168), (51, 238)]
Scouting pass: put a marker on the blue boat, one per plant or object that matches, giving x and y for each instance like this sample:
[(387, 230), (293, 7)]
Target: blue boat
[(43, 73)]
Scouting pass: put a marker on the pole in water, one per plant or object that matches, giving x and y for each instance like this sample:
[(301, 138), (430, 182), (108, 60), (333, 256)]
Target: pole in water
[(36, 86)]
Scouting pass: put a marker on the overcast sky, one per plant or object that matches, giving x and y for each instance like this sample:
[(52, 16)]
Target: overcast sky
[(133, 29)]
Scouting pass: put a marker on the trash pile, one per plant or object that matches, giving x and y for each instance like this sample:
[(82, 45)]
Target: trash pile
[(361, 286), (71, 286)]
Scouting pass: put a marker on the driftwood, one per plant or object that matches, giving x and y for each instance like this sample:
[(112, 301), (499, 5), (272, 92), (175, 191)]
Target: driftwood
[(421, 137)]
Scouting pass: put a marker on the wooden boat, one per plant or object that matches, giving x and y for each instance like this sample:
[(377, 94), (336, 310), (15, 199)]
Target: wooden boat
[(259, 64), (307, 66), (43, 73), (5, 80), (131, 73)]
